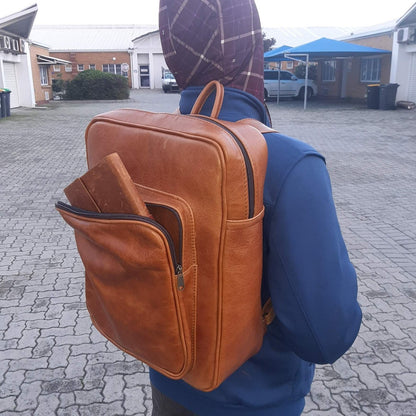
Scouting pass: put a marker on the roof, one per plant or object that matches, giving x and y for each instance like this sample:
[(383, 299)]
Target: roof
[(88, 37), (271, 55), (19, 23), (408, 18), (154, 32), (371, 31), (50, 60), (330, 48), (299, 35)]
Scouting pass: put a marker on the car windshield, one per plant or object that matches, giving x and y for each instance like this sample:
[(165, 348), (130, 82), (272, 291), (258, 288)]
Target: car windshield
[(168, 75)]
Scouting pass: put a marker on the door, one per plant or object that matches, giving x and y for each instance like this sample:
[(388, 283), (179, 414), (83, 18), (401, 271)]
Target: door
[(411, 92), (144, 76), (10, 82)]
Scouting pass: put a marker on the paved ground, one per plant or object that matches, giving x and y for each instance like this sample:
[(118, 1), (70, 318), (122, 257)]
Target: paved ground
[(54, 363)]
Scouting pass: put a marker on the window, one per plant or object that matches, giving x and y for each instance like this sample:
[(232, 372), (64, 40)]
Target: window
[(289, 65), (370, 70), (114, 69), (43, 74), (68, 68), (80, 67), (328, 70), (285, 76), (57, 68), (271, 75), (92, 66)]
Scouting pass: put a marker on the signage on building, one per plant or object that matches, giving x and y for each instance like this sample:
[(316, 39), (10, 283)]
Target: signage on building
[(12, 44)]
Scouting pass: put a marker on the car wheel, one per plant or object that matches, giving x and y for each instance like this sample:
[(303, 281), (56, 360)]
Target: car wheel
[(266, 95), (309, 93)]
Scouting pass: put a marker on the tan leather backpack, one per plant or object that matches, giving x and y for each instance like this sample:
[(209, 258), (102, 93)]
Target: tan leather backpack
[(181, 290)]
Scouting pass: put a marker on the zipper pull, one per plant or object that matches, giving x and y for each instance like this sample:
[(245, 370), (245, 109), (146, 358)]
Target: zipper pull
[(179, 277)]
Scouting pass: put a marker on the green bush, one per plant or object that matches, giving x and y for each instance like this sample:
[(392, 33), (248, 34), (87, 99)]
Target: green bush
[(96, 85), (300, 71), (58, 85)]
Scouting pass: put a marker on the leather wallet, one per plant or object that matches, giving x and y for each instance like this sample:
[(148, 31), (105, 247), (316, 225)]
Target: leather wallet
[(107, 188)]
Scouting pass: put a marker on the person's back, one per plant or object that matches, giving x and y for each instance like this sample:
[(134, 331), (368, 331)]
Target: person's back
[(306, 269)]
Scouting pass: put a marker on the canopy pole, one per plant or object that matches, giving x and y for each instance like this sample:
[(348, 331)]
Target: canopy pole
[(278, 85), (292, 56), (305, 98)]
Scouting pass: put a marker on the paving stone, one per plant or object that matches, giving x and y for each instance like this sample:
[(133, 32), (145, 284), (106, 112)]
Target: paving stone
[(86, 397), (113, 389), (48, 405), (134, 401), (54, 362), (28, 397)]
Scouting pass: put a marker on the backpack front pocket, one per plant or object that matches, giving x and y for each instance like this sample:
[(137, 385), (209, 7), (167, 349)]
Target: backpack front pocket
[(135, 286)]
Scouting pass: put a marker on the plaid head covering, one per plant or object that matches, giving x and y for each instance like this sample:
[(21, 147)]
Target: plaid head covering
[(203, 40)]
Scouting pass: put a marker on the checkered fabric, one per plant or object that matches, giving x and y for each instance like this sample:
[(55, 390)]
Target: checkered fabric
[(203, 40)]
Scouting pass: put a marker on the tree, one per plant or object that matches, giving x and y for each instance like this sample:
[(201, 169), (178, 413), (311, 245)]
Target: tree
[(96, 85), (268, 43), (300, 71)]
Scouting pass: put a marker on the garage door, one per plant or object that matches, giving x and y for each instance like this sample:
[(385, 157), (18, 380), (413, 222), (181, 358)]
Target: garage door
[(412, 79), (10, 82)]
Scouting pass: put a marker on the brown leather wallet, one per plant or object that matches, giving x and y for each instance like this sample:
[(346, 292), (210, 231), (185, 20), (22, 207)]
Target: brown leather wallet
[(107, 188)]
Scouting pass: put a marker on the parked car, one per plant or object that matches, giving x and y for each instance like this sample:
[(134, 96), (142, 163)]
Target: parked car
[(290, 85), (169, 83)]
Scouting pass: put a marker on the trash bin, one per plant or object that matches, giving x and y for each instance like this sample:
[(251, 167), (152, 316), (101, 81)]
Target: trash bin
[(388, 96), (373, 96), (4, 102)]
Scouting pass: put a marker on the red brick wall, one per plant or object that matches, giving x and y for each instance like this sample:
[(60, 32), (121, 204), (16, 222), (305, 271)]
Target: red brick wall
[(355, 88), (38, 88), (88, 58)]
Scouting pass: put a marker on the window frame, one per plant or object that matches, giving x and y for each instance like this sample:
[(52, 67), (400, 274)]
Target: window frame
[(329, 70), (370, 70), (80, 67), (116, 69), (68, 68), (44, 75)]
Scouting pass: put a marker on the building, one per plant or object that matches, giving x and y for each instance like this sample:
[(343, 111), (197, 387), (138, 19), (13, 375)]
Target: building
[(403, 61), (15, 63), (148, 62), (42, 64), (107, 48)]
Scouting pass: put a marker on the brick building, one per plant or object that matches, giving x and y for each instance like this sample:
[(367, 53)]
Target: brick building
[(15, 65), (106, 48), (42, 64)]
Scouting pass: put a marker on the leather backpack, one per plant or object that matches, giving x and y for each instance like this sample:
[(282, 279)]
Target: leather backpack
[(179, 289)]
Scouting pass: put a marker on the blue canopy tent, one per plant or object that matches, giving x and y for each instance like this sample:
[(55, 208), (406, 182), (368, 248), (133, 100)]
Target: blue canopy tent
[(325, 48), (271, 56)]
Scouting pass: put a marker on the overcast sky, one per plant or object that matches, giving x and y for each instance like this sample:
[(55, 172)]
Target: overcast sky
[(273, 13)]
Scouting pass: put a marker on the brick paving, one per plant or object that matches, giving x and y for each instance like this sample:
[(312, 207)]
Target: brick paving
[(53, 362)]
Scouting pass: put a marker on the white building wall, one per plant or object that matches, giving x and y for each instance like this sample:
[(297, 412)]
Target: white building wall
[(148, 49), (21, 86), (403, 68)]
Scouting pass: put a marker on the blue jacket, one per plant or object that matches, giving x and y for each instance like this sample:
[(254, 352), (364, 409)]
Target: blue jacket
[(306, 271)]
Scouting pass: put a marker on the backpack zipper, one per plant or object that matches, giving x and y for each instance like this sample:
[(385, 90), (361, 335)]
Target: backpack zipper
[(180, 282), (249, 167)]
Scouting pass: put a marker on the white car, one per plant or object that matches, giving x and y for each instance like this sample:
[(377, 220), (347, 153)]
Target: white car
[(169, 83), (290, 85)]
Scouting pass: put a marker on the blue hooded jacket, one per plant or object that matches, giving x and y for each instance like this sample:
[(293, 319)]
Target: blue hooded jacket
[(306, 271)]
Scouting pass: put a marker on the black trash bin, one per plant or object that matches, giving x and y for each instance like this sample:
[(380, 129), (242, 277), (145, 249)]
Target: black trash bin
[(5, 103), (373, 96), (388, 96)]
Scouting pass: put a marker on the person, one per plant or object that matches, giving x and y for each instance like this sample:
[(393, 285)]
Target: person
[(306, 268)]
